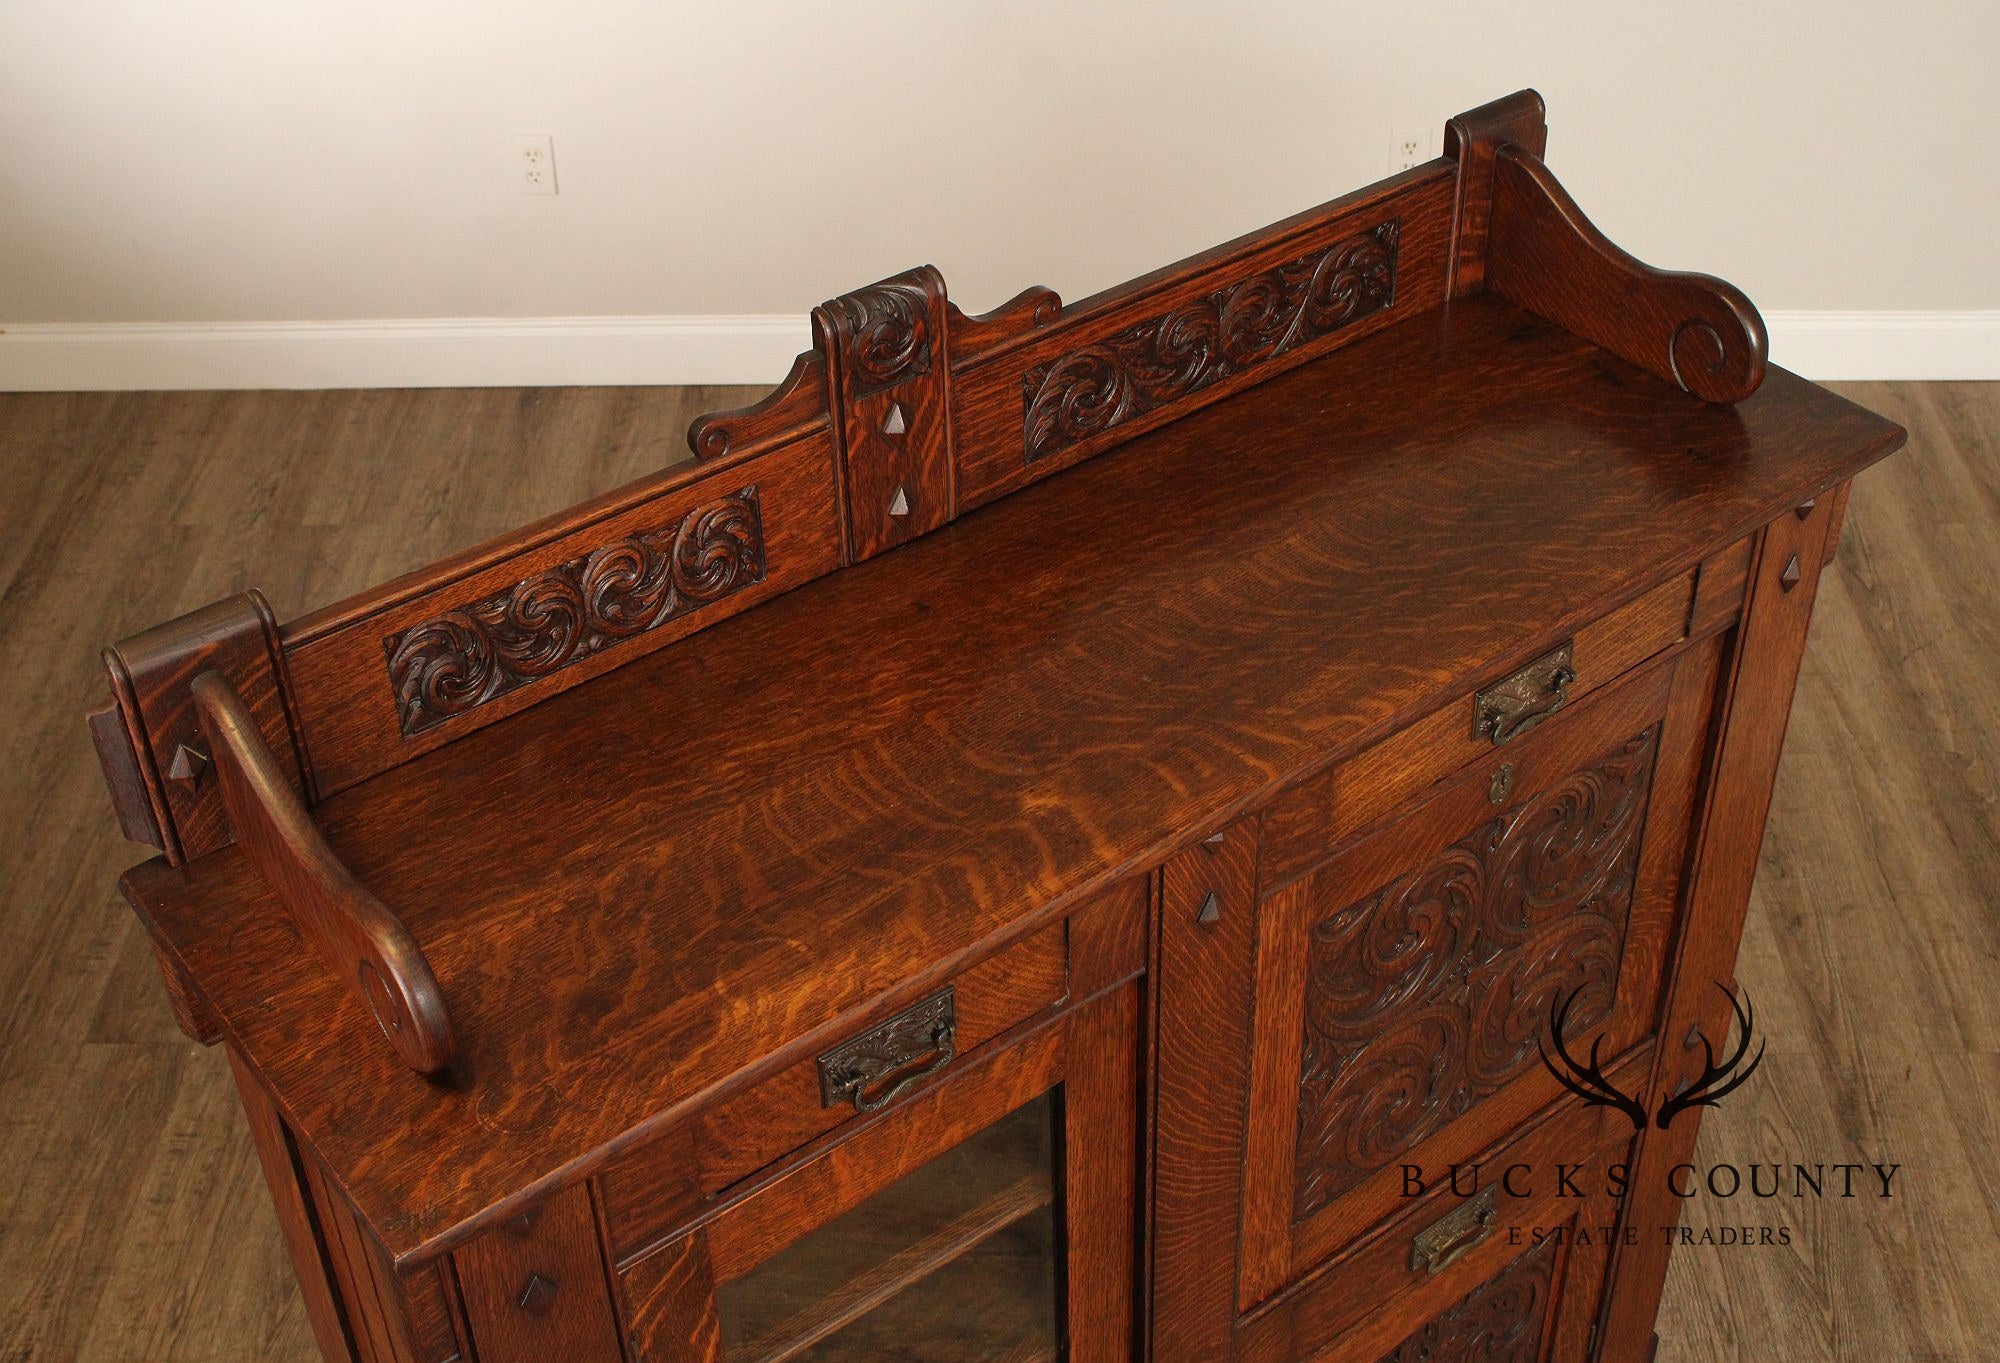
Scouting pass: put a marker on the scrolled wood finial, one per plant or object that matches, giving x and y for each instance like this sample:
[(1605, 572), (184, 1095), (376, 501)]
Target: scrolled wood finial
[(1693, 330)]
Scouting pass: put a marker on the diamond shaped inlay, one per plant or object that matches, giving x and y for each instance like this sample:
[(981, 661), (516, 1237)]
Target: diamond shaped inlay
[(538, 1295), (188, 767), (897, 422), (1790, 577), (900, 504)]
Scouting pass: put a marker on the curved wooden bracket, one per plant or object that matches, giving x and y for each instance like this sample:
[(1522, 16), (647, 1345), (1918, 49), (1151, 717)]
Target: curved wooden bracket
[(367, 945), (1691, 329)]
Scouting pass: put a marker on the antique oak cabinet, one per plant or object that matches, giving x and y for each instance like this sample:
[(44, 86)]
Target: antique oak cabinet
[(1022, 846)]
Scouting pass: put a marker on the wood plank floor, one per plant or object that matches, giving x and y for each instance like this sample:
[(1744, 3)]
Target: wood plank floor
[(133, 1220)]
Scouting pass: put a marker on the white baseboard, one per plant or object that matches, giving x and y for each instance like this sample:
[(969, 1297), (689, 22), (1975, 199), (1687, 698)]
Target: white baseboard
[(485, 352), (1831, 346), (470, 352)]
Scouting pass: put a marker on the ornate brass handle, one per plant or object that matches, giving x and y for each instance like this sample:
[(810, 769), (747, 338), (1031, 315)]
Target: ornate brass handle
[(1517, 703), (1453, 1234), (879, 1066)]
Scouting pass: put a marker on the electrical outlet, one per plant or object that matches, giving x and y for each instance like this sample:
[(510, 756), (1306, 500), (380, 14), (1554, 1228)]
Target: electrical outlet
[(535, 164), (1410, 144)]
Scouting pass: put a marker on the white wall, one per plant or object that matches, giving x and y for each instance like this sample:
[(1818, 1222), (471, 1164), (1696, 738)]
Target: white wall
[(243, 161)]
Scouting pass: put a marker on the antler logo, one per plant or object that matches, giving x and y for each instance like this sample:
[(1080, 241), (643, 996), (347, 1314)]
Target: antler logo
[(1713, 1084)]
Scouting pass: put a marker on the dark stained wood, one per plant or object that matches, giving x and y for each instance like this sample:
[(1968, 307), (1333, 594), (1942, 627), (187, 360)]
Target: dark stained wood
[(1404, 449), (1374, 1290), (1690, 329), (1207, 950), (944, 842), (888, 351), (1306, 823), (658, 1186), (536, 1287), (151, 674), (143, 1229), (122, 778), (365, 946), (1451, 1048), (1719, 589), (342, 661), (305, 1241), (1761, 672), (1471, 142), (189, 1011), (669, 1301), (1100, 1176)]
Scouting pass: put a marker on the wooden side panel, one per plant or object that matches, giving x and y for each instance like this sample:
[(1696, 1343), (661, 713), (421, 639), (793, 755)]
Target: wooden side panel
[(1693, 330), (537, 1289), (1208, 941), (1761, 675), (403, 679), (362, 942), (391, 1319), (151, 676), (304, 1241)]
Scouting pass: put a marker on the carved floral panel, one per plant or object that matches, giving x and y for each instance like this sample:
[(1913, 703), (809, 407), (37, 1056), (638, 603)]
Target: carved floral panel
[(1163, 359), (1501, 1322), (467, 656), (1431, 992)]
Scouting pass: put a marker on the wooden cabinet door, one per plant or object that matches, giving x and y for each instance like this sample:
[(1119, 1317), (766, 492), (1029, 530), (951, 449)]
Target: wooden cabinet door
[(990, 1217), (1384, 1008)]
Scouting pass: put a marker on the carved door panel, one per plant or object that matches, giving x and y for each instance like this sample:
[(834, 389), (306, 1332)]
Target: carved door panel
[(1404, 989)]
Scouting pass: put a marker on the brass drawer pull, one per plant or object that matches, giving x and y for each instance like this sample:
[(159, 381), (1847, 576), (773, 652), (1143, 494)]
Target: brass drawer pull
[(879, 1066), (1517, 703), (1453, 1234)]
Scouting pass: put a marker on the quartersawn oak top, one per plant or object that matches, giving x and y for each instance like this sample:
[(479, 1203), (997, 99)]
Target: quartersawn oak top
[(709, 858)]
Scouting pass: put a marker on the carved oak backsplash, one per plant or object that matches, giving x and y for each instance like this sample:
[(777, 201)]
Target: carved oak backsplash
[(1431, 992), (1501, 1322), (465, 657), (1092, 389)]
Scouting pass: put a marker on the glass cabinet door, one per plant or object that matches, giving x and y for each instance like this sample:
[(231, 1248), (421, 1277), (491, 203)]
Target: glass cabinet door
[(987, 1213), (957, 1260)]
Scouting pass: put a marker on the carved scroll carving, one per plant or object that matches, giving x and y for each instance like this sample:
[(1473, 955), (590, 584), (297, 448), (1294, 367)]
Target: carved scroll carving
[(1158, 361), (1501, 1322), (890, 326), (466, 657), (1429, 994)]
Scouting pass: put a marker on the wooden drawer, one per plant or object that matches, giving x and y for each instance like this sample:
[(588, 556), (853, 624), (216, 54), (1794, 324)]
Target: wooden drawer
[(1515, 1262), (1402, 989), (1519, 1258), (660, 1186), (1309, 821)]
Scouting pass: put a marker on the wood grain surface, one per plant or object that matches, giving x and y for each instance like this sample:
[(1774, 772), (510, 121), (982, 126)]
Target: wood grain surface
[(1051, 692), (133, 1220)]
